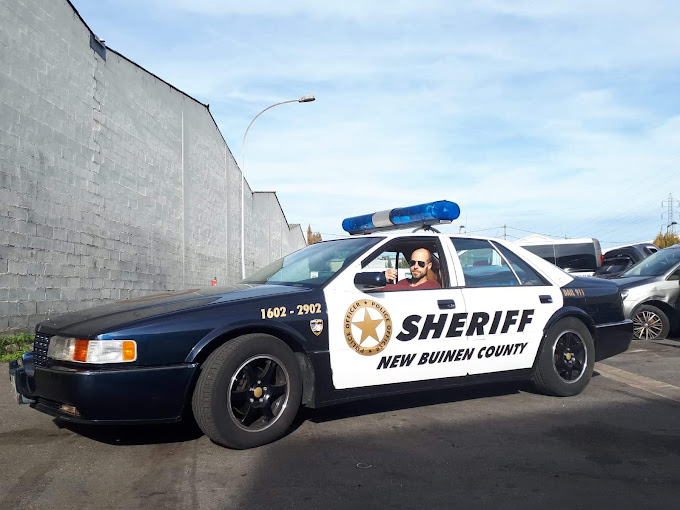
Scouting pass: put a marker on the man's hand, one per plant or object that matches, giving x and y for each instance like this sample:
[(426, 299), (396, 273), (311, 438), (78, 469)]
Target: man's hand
[(391, 274)]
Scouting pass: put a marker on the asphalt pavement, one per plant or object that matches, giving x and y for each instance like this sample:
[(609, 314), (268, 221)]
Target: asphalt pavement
[(499, 446)]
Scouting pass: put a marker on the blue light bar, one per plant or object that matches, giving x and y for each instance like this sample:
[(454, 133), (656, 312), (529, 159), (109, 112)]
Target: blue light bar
[(433, 213)]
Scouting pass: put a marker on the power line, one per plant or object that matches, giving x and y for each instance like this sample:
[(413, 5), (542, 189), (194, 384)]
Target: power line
[(627, 225), (654, 180), (482, 230), (531, 232), (505, 227)]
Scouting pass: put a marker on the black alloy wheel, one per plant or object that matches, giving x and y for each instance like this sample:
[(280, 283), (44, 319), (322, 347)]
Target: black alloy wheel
[(248, 392), (570, 356), (258, 393)]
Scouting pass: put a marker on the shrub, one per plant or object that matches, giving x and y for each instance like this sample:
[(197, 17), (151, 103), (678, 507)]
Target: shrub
[(13, 346), (666, 240)]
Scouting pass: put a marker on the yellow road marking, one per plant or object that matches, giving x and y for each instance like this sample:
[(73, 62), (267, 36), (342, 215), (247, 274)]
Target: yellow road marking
[(640, 382)]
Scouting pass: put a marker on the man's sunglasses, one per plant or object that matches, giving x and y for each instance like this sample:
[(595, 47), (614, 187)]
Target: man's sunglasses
[(414, 262)]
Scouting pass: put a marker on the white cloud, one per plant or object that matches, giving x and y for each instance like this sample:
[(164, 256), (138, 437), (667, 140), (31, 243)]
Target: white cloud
[(558, 117)]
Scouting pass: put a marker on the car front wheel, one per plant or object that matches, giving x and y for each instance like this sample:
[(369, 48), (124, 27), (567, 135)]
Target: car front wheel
[(650, 323), (249, 392)]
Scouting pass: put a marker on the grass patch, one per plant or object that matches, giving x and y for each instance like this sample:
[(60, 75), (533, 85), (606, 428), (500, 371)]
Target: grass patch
[(13, 346)]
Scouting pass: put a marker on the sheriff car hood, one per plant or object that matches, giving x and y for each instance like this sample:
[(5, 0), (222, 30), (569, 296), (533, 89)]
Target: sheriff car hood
[(93, 321)]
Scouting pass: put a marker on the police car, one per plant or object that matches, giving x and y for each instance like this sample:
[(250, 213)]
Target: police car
[(324, 325)]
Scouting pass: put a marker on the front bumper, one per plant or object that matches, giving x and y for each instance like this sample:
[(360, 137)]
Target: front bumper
[(612, 339), (18, 377), (107, 396)]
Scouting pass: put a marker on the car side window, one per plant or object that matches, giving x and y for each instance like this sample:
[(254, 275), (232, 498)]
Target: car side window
[(526, 274), (396, 254), (675, 275), (389, 259), (483, 265)]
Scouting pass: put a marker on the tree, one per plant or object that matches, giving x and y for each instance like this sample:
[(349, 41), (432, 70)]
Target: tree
[(666, 240), (313, 237)]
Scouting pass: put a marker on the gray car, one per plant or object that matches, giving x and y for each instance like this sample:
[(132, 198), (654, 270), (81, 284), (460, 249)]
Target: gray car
[(651, 294)]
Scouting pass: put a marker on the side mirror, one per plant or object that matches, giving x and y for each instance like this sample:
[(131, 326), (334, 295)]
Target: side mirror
[(369, 280)]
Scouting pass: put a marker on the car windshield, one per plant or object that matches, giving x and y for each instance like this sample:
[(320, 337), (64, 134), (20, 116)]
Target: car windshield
[(656, 264), (314, 265)]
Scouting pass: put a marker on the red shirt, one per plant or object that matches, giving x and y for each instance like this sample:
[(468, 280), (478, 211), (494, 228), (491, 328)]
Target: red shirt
[(406, 285)]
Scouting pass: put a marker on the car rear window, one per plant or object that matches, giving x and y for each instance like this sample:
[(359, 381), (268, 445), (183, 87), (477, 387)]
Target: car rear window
[(615, 265), (525, 273)]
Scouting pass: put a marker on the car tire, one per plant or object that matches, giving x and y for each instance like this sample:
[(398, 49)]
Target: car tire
[(650, 323), (566, 359), (248, 392)]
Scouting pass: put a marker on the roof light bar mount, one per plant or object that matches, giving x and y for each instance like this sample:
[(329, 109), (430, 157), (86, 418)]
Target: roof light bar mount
[(428, 228)]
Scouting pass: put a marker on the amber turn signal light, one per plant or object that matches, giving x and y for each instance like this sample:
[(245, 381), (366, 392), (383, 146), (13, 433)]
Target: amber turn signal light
[(129, 350), (80, 350)]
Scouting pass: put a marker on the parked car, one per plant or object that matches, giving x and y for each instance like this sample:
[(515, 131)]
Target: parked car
[(580, 257), (651, 294), (617, 261)]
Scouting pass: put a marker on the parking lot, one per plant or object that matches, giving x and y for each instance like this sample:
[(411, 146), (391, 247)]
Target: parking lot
[(617, 444)]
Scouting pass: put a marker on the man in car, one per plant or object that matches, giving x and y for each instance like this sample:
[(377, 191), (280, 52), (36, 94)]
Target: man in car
[(420, 263)]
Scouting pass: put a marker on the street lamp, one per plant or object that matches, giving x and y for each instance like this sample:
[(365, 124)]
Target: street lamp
[(461, 229), (303, 99), (670, 225)]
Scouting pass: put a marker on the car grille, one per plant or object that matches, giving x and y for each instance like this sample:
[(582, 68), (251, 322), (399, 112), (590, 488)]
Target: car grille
[(40, 346)]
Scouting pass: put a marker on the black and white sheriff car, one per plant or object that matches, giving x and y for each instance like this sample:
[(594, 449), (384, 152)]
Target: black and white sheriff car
[(322, 326)]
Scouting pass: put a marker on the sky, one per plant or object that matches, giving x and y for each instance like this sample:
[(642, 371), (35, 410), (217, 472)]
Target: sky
[(560, 117)]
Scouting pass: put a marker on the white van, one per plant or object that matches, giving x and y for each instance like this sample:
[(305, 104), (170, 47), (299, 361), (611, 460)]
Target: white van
[(580, 257)]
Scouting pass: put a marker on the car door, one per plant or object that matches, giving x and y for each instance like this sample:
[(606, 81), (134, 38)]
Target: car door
[(672, 287), (383, 337), (508, 304)]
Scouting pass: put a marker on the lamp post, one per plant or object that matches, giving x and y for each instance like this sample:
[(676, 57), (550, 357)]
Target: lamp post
[(670, 225), (303, 99)]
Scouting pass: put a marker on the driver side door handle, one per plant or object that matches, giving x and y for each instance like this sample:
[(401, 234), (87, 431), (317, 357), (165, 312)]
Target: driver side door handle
[(446, 304)]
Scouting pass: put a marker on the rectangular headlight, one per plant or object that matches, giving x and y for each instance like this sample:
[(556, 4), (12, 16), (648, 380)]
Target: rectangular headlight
[(92, 351)]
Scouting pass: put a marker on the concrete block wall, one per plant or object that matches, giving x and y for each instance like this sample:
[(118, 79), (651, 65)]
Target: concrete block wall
[(113, 183)]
